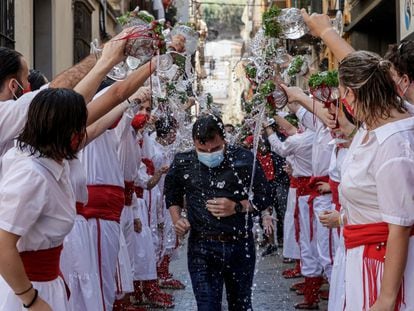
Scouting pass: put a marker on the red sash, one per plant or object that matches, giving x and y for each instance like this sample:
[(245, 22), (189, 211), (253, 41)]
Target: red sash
[(335, 194), (139, 192), (105, 202), (150, 166), (80, 208), (314, 193), (128, 191), (374, 238), (42, 265), (302, 189)]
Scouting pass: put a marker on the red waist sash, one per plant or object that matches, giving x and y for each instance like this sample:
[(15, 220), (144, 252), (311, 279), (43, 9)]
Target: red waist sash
[(80, 208), (302, 189), (105, 202), (42, 265), (129, 191), (139, 192), (374, 238)]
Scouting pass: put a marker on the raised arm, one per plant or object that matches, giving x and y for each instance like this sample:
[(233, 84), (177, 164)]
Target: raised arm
[(119, 92), (320, 26)]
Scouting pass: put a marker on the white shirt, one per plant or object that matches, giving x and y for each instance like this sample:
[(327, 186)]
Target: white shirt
[(100, 161), (78, 181), (337, 158), (378, 182), (13, 117), (37, 201), (298, 148), (321, 150), (163, 156)]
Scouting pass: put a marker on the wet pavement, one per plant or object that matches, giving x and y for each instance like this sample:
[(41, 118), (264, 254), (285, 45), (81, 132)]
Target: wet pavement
[(270, 290)]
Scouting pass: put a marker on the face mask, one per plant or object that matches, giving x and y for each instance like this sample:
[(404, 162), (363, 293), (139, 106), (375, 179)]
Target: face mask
[(400, 91), (348, 107), (21, 90), (212, 159)]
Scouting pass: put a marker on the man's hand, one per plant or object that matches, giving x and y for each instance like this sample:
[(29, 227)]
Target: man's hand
[(182, 226), (164, 169), (294, 93), (137, 225), (221, 207), (288, 169), (317, 23), (327, 118), (330, 219)]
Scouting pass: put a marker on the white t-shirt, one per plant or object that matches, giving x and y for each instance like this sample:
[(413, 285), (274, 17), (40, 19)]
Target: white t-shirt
[(378, 181), (37, 201), (298, 148)]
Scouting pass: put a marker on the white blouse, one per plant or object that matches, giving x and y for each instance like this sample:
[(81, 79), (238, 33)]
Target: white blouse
[(378, 180), (37, 201), (78, 180)]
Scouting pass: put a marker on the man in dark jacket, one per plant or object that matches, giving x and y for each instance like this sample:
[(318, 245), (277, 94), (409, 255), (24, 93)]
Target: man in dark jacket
[(215, 179)]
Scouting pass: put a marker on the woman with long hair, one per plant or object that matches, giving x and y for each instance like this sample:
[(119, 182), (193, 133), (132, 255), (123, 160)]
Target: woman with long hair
[(377, 188)]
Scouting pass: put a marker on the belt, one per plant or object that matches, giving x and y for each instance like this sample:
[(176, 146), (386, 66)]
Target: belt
[(225, 237)]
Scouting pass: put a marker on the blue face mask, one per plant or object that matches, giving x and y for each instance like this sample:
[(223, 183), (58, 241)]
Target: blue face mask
[(212, 159)]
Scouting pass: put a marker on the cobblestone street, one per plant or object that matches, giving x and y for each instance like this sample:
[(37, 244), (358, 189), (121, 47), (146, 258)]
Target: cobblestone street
[(271, 291)]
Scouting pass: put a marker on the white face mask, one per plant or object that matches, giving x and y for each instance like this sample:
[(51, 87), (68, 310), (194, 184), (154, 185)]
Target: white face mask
[(21, 88), (401, 92)]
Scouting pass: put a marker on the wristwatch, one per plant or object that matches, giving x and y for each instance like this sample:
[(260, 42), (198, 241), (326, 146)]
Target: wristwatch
[(238, 207)]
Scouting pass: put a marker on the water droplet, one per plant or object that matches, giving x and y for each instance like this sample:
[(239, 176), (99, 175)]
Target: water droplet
[(186, 176)]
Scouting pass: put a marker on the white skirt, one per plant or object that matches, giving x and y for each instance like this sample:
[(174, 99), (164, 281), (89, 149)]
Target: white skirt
[(53, 292), (290, 246), (355, 289), (79, 268), (145, 264), (124, 273)]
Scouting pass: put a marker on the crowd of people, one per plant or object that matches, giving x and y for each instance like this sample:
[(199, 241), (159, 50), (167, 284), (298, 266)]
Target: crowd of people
[(94, 199)]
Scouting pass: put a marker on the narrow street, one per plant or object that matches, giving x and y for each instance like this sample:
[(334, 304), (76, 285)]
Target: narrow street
[(270, 290)]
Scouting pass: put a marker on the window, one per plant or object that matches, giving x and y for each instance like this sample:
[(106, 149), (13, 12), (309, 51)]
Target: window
[(82, 30), (7, 23)]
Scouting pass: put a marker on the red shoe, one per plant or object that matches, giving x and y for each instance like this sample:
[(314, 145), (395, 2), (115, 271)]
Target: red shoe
[(297, 286), (125, 305), (293, 273), (311, 291), (171, 284), (153, 296)]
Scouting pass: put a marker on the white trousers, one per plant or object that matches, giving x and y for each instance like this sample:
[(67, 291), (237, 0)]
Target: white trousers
[(105, 236), (145, 263), (79, 268), (290, 246), (124, 276), (310, 265), (326, 239)]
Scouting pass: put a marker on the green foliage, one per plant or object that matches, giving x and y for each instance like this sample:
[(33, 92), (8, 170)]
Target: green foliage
[(271, 26), (251, 71), (128, 16), (324, 78), (267, 87), (296, 65)]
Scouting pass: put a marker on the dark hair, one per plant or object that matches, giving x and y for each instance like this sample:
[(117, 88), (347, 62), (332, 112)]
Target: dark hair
[(10, 64), (369, 77), (207, 127), (54, 118), (402, 57), (36, 79), (229, 125), (105, 83), (165, 125)]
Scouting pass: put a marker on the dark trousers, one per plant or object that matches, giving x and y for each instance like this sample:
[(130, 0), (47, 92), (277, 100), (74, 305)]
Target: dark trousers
[(212, 264)]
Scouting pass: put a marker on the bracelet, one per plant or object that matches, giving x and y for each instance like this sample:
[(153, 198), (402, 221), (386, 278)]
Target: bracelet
[(33, 300), (325, 32), (25, 291)]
